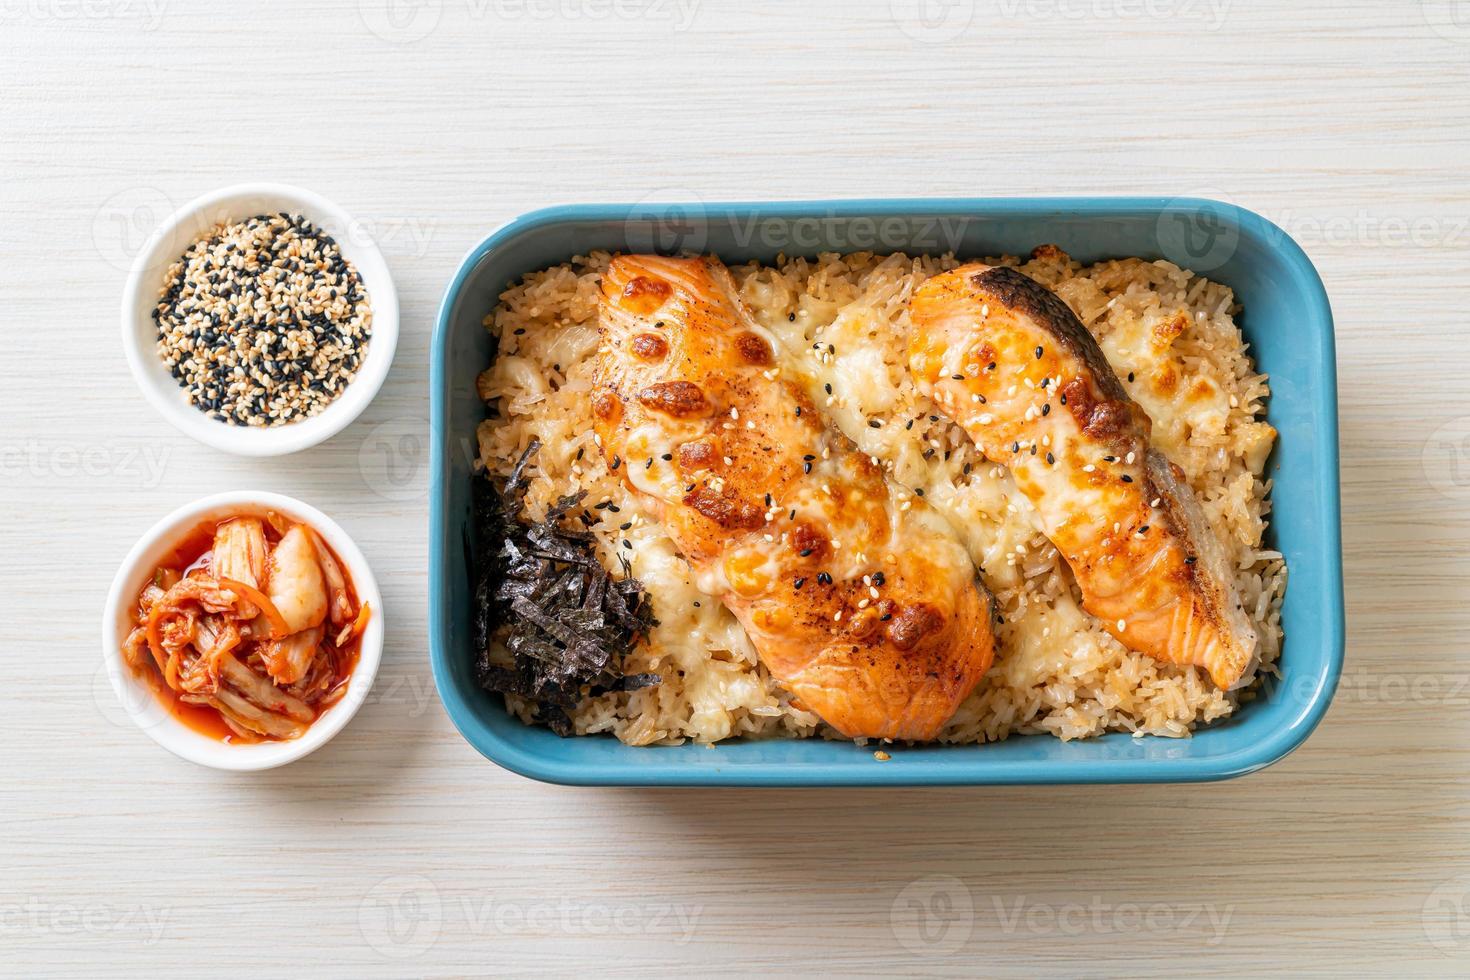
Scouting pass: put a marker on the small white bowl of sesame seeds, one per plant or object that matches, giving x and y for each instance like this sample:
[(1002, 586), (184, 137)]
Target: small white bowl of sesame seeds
[(260, 319)]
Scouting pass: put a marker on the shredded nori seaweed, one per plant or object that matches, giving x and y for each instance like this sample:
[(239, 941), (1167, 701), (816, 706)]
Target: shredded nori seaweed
[(542, 594)]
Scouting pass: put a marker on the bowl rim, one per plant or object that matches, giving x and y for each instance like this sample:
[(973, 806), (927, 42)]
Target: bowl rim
[(143, 706), (1227, 765), (147, 370)]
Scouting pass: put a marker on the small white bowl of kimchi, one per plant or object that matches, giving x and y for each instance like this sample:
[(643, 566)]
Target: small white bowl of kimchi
[(243, 631)]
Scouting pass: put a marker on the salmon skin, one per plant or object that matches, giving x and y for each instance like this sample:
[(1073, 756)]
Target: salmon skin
[(1005, 358), (857, 596)]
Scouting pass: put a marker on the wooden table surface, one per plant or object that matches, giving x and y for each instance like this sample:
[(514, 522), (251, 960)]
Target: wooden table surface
[(397, 850)]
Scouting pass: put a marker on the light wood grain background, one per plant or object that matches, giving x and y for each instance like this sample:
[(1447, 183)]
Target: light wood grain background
[(397, 850)]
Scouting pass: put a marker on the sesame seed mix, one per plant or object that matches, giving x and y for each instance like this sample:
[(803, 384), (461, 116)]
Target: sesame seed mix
[(263, 322)]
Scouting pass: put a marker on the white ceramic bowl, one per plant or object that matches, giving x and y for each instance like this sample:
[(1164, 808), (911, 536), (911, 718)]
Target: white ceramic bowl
[(183, 228), (140, 701)]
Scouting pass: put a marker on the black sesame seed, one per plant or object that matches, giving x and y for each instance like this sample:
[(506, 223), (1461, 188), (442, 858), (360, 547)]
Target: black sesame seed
[(874, 424), (1190, 560), (805, 552), (828, 388), (1046, 409), (1051, 459), (1130, 375), (799, 583), (908, 425), (1039, 352), (806, 467)]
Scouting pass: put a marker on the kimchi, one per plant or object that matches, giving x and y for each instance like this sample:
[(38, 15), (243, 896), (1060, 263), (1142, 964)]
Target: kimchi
[(249, 630)]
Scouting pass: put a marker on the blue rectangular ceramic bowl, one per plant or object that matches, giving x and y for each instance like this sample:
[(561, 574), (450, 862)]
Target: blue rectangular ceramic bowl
[(1287, 322)]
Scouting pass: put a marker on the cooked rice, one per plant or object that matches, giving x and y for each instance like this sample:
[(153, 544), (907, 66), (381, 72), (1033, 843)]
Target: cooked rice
[(843, 319)]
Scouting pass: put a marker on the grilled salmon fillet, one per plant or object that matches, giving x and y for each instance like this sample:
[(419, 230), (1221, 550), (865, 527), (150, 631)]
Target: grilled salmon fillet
[(857, 596), (1008, 360)]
